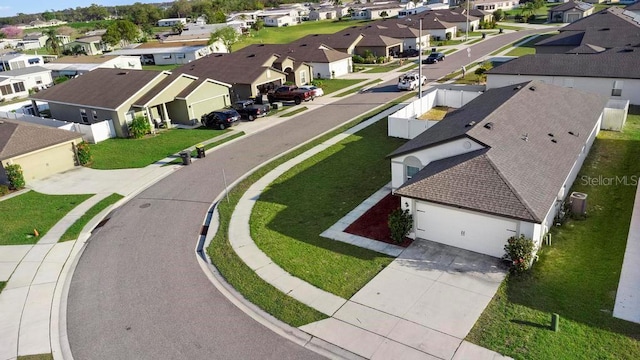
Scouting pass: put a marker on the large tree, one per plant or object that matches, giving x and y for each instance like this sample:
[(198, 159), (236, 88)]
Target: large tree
[(121, 32), (227, 35), (96, 12), (180, 8)]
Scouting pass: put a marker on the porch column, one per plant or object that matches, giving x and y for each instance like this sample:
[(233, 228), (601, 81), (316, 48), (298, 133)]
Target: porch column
[(165, 115)]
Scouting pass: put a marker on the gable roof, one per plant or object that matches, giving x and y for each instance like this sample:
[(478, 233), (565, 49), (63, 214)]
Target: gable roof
[(570, 5), (300, 51), (519, 149), (18, 137), (231, 68), (614, 63), (100, 88), (341, 40)]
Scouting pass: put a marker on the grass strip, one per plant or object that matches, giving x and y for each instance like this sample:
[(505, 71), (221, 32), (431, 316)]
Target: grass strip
[(296, 111), (237, 273), (194, 153), (358, 88), (516, 322), (21, 214), (383, 68), (74, 230), (2, 285), (36, 357)]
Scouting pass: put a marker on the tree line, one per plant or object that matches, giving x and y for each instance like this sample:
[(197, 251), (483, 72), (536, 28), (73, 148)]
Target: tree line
[(141, 14)]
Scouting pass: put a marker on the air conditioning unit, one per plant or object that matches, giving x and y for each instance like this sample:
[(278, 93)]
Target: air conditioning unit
[(578, 203)]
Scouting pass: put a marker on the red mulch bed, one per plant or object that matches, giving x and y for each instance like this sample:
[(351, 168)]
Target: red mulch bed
[(373, 223)]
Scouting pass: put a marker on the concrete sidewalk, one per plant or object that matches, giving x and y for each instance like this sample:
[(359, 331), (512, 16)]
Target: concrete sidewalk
[(369, 325)]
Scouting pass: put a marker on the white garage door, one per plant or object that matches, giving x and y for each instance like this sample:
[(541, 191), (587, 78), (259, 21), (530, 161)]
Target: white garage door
[(467, 230)]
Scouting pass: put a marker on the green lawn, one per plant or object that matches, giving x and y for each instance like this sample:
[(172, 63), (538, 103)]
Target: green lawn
[(241, 277), (577, 276), (2, 285), (32, 210), (383, 68), (119, 153), (294, 112), (332, 85), (287, 34), (529, 46), (36, 357), (74, 230), (521, 51), (288, 218)]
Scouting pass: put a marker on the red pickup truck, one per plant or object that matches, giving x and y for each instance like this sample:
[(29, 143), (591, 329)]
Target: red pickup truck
[(290, 93)]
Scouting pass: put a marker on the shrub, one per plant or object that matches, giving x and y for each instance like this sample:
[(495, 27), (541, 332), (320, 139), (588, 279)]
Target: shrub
[(139, 127), (381, 60), (400, 222), (84, 153), (357, 59), (4, 190), (317, 83), (498, 15), (448, 36), (15, 176), (519, 250)]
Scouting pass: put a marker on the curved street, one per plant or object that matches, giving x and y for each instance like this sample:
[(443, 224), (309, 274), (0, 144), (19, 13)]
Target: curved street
[(138, 291)]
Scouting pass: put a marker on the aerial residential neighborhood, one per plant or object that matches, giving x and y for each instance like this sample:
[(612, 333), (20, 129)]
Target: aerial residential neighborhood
[(381, 179)]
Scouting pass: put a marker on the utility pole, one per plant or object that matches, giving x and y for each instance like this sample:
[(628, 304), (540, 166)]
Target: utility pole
[(420, 62), (466, 37)]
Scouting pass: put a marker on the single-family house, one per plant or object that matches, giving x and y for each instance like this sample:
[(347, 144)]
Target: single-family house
[(374, 12), (250, 73), (171, 22), (323, 13), (493, 5), (613, 73), (32, 78), (71, 66), (609, 28), (121, 95), (569, 12), (89, 45), (11, 88), (38, 38), (460, 20), (279, 20), (325, 62), (388, 36), (41, 151), (498, 167), (483, 16), (344, 41), (14, 61), (169, 53)]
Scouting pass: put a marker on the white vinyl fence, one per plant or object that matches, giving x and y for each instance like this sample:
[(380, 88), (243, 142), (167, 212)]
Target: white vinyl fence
[(91, 133), (405, 123), (615, 115)]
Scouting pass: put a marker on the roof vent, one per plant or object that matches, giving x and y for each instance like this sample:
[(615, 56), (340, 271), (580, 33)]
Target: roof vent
[(551, 134), (123, 73), (517, 87), (532, 88), (554, 141), (525, 137), (488, 125), (605, 29), (574, 134), (470, 124), (627, 50), (251, 55)]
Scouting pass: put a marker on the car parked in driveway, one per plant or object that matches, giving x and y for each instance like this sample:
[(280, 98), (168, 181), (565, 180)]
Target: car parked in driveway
[(220, 119), (249, 110), (433, 58), (316, 90)]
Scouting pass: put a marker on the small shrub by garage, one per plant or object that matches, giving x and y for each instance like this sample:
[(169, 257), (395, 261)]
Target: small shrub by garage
[(400, 222), (139, 127), (519, 250), (15, 176), (84, 153)]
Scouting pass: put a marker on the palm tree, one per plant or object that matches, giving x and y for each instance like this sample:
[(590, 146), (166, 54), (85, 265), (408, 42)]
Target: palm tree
[(53, 43), (178, 28)]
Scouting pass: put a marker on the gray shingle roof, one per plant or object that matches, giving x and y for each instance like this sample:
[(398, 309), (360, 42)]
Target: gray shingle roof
[(103, 88), (301, 51), (533, 170), (18, 138), (614, 63), (570, 5), (25, 71), (634, 6), (608, 28)]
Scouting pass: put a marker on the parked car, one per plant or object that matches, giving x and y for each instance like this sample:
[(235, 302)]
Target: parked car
[(409, 53), (433, 58), (316, 90), (220, 119), (411, 81), (290, 93), (250, 110)]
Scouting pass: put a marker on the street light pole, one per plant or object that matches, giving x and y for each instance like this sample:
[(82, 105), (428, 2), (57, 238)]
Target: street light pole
[(466, 37), (420, 62)]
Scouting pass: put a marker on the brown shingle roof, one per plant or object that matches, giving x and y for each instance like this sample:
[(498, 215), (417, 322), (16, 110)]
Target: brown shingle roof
[(83, 59), (101, 88), (18, 138), (534, 169), (233, 68), (301, 51)]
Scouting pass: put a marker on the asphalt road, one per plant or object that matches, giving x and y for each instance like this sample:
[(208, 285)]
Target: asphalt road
[(138, 292)]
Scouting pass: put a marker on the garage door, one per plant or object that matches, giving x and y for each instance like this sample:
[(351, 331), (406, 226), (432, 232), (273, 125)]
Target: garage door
[(41, 164), (463, 229)]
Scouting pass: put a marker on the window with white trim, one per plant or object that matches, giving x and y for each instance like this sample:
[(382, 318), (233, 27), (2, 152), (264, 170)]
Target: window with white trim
[(412, 171), (303, 77), (19, 87), (617, 88), (180, 56), (6, 90), (168, 56), (83, 116)]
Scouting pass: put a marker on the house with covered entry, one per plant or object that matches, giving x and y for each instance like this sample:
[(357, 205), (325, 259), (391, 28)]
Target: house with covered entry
[(569, 11), (119, 96), (33, 77), (498, 167)]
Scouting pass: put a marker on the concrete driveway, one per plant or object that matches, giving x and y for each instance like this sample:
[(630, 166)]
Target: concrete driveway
[(421, 306)]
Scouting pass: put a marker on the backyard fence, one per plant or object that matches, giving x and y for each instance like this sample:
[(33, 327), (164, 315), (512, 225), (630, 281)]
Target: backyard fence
[(91, 133)]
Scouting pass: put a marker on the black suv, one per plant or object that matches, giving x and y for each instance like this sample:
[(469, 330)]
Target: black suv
[(250, 110), (433, 58), (409, 53), (220, 119)]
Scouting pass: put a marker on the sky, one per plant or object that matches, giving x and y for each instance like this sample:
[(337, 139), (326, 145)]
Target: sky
[(13, 7)]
